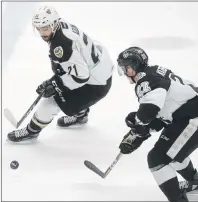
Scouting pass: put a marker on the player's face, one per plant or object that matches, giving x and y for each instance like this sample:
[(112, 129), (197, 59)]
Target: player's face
[(45, 32), (130, 72)]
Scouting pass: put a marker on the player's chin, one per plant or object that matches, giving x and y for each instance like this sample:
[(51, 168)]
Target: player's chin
[(45, 38)]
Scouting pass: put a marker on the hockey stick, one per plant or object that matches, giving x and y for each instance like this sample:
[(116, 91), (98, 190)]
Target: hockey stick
[(96, 170), (9, 116)]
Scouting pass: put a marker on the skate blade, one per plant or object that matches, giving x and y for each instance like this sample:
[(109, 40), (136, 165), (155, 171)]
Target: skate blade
[(23, 142)]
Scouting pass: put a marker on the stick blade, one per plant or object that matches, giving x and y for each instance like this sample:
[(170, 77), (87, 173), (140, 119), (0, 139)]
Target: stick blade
[(92, 167), (9, 116)]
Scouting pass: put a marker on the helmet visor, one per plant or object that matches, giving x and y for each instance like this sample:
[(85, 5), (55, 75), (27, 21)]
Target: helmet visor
[(121, 70)]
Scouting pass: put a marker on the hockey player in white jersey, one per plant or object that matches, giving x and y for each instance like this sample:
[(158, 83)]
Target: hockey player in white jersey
[(166, 102), (82, 75)]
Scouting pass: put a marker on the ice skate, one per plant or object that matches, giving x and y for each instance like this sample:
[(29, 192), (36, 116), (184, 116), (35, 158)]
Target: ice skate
[(190, 186), (21, 135), (78, 119)]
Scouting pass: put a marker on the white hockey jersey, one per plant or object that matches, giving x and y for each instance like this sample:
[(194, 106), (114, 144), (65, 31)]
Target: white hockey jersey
[(77, 60)]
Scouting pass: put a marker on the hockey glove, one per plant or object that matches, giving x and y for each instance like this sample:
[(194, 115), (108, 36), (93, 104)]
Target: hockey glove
[(48, 87), (132, 141), (154, 126), (130, 119), (131, 123)]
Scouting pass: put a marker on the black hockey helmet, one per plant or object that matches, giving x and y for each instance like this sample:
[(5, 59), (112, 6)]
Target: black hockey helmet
[(135, 57)]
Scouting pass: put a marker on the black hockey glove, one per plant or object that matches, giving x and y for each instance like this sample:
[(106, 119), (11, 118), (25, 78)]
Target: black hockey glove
[(135, 137), (132, 141), (130, 119), (131, 123), (48, 87), (154, 126)]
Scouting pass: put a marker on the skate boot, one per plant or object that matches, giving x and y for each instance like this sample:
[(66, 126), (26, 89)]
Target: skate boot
[(77, 119), (30, 132), (190, 186), (21, 135)]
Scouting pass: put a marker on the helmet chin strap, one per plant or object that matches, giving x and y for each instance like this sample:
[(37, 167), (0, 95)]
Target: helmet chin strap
[(55, 26), (131, 79), (54, 29)]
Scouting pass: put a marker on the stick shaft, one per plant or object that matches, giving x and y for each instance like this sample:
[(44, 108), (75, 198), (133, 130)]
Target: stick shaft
[(10, 117), (113, 164), (30, 109)]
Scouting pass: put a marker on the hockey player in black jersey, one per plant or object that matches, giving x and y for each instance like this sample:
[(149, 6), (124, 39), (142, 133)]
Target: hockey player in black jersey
[(82, 75), (167, 102)]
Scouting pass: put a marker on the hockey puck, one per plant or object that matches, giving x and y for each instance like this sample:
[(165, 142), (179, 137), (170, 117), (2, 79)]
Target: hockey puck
[(14, 164)]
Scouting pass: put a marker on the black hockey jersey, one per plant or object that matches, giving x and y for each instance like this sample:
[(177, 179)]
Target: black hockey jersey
[(160, 93)]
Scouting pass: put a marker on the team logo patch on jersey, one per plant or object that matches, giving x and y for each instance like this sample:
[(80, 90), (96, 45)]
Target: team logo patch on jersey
[(58, 52)]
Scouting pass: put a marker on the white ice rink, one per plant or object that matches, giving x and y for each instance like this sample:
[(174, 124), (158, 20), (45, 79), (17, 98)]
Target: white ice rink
[(52, 168)]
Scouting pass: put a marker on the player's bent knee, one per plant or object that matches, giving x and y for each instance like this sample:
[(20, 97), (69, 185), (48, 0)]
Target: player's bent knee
[(157, 158), (159, 167)]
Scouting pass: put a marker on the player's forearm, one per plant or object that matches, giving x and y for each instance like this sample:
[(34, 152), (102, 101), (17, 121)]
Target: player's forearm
[(146, 113), (150, 105)]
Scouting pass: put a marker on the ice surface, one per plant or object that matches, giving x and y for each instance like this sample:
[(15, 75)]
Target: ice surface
[(52, 168)]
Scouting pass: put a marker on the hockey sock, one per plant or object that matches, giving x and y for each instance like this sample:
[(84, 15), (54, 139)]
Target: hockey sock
[(185, 169), (36, 125)]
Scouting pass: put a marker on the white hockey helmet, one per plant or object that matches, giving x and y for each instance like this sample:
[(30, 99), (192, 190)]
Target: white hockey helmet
[(46, 16)]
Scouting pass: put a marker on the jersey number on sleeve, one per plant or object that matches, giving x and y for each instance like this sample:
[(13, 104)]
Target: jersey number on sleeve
[(94, 57)]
